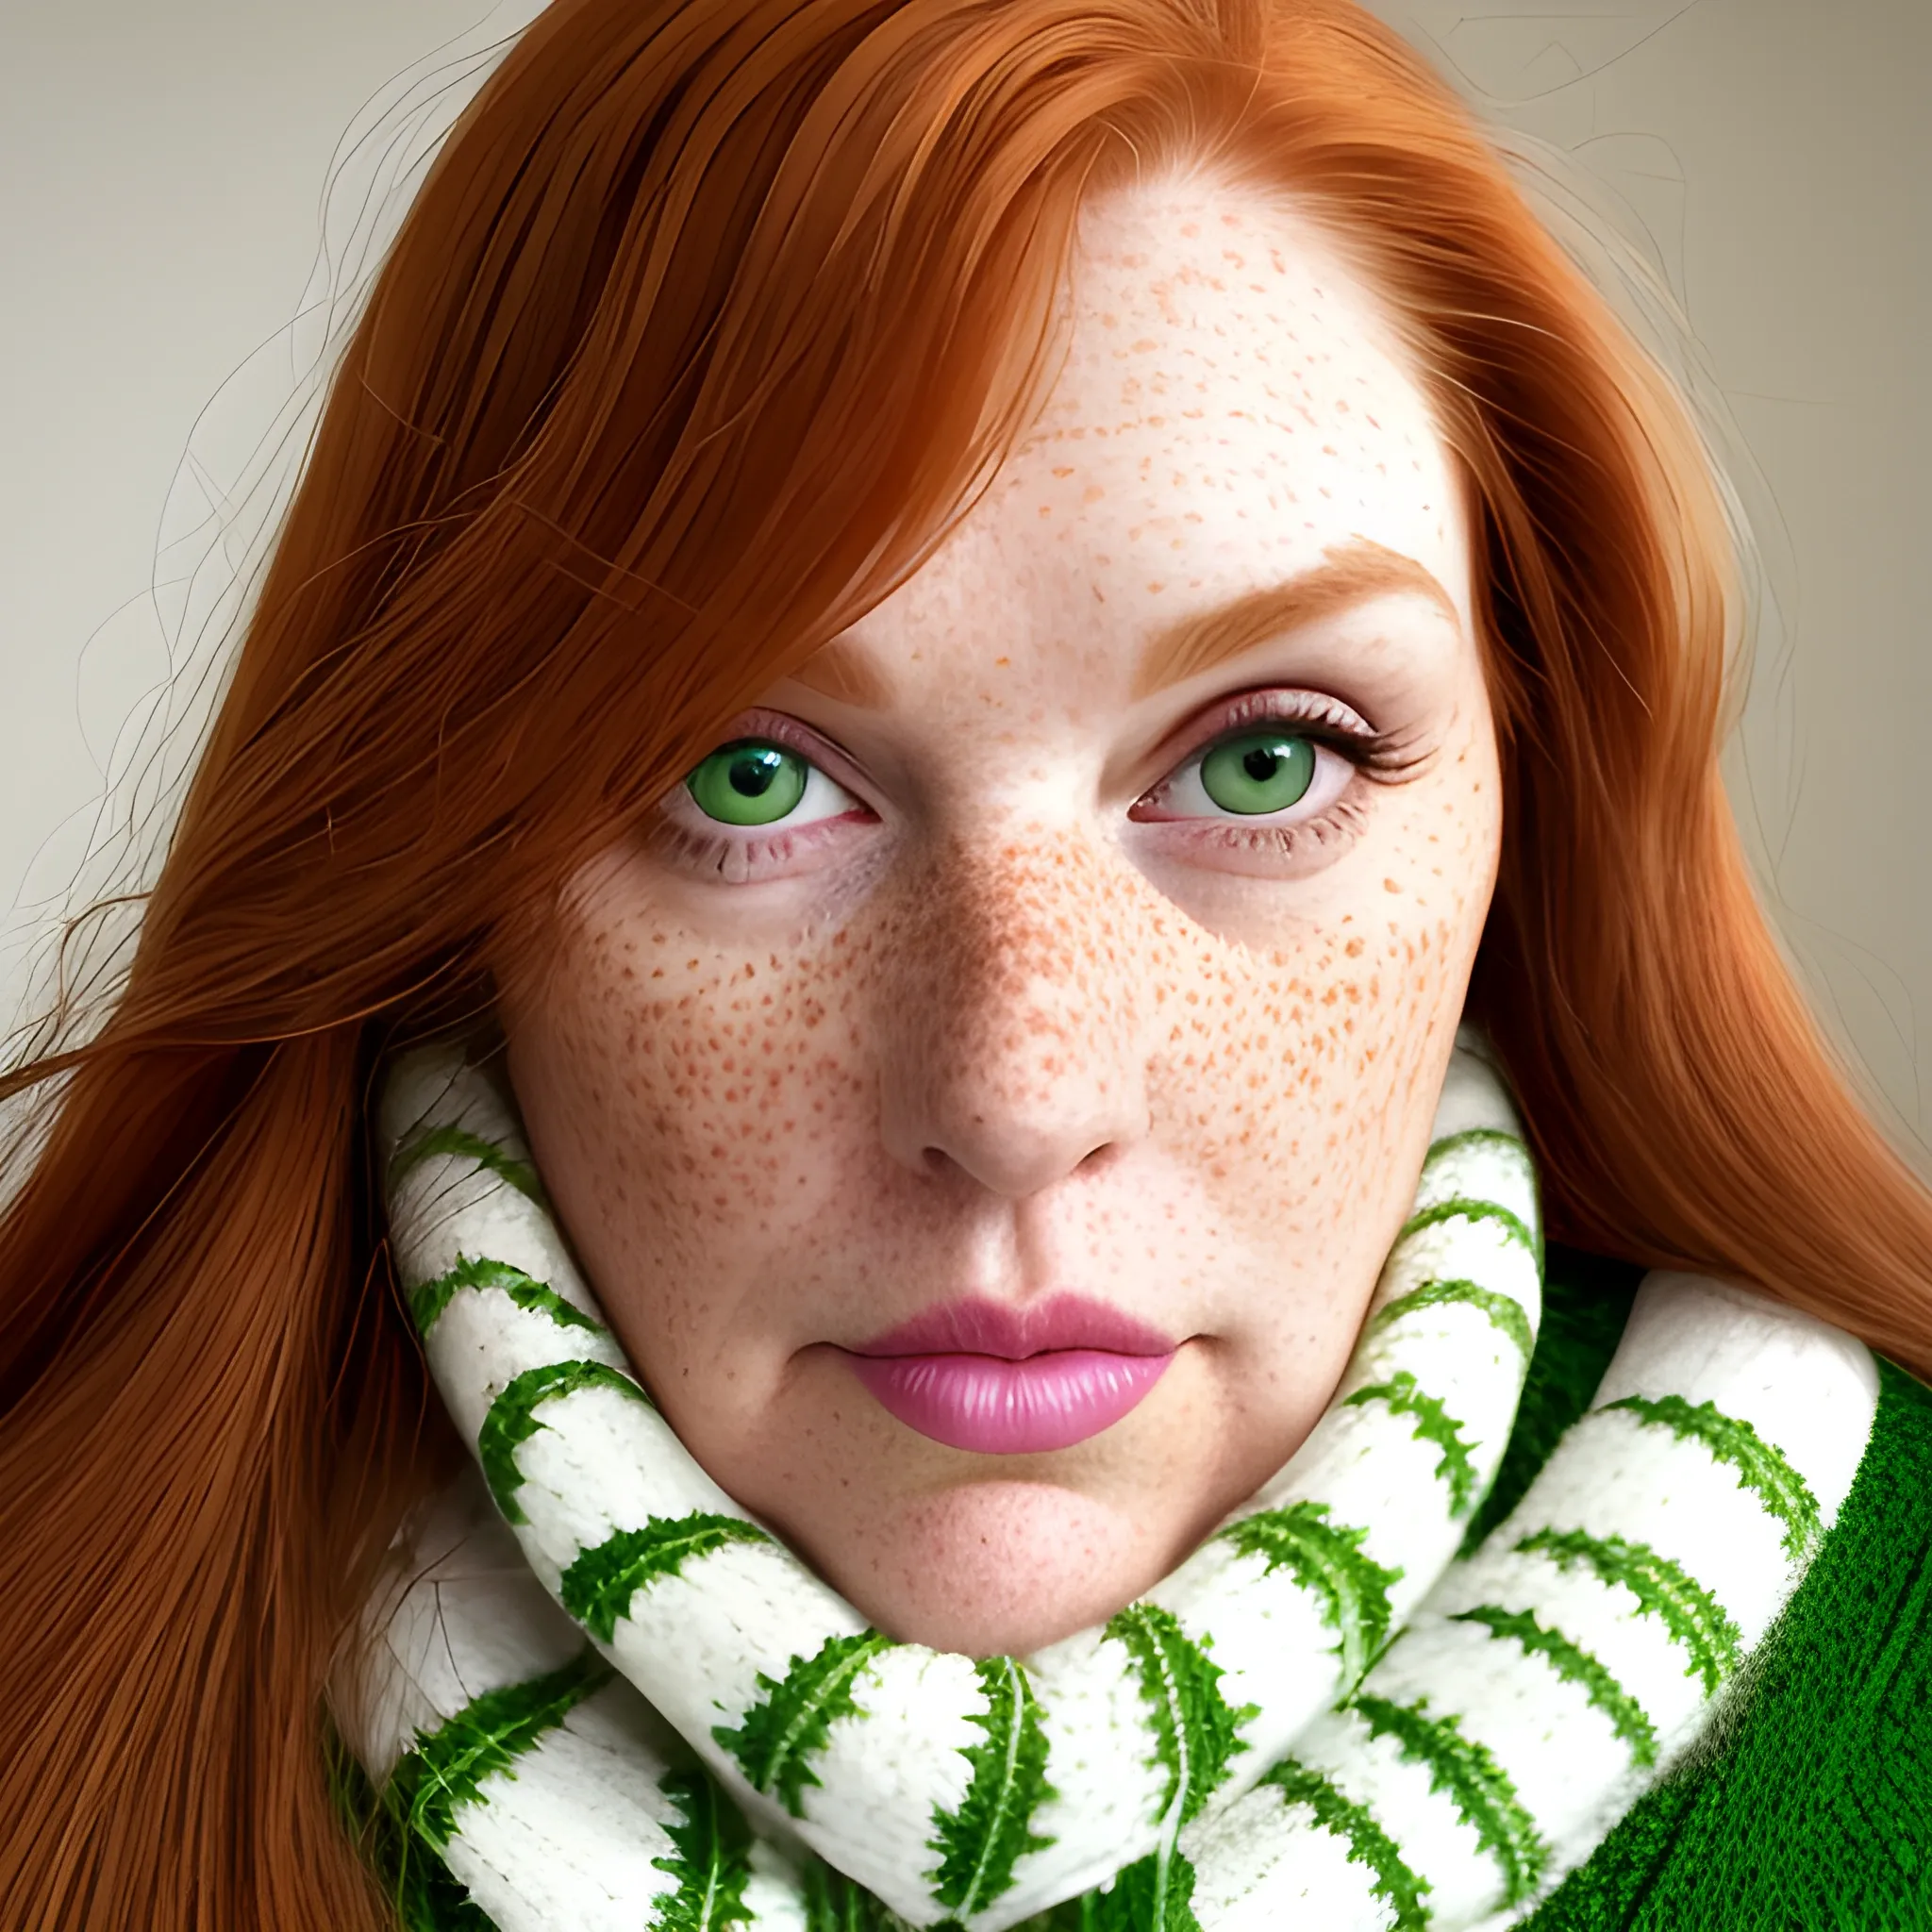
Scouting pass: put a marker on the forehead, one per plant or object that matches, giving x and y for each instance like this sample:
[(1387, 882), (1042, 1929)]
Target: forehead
[(1233, 405)]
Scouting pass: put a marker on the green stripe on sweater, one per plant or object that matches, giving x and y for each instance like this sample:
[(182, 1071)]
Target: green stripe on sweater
[(834, 1904), (712, 1862), (1495, 1139), (599, 1585), (793, 1722), (1475, 1784), (1153, 1894), (428, 1299), (485, 1154), (1432, 1423), (1326, 1558), (418, 1885), (512, 1421), (1194, 1737), (1761, 1466), (980, 1843), (1574, 1665), (1395, 1884), (444, 1771), (1195, 1726), (1128, 1904), (1694, 1618), (1461, 1207), (1502, 1312)]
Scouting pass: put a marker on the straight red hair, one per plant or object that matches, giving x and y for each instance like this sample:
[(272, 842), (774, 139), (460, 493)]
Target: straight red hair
[(711, 318)]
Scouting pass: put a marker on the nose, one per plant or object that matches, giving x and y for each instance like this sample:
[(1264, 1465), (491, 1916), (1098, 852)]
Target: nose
[(1013, 1039)]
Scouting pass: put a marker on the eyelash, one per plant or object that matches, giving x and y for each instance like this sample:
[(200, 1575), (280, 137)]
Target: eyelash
[(1321, 720), (1382, 757)]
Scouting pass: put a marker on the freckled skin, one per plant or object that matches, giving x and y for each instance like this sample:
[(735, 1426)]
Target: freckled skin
[(988, 1034)]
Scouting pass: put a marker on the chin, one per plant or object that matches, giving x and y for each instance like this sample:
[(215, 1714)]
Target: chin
[(1004, 1568)]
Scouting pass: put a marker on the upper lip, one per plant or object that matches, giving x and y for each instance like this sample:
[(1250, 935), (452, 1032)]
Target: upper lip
[(977, 1326)]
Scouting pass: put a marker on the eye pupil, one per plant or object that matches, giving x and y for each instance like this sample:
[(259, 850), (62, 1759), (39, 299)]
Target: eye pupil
[(754, 770), (749, 783), (1258, 772)]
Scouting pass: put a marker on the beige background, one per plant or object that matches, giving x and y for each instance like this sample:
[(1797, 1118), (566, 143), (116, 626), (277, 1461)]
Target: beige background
[(160, 175)]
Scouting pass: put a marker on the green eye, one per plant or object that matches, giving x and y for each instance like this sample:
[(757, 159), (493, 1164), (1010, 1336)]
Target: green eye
[(753, 782), (1257, 772)]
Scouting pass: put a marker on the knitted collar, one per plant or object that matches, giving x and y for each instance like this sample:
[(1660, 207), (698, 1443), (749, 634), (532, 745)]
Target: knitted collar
[(598, 1694)]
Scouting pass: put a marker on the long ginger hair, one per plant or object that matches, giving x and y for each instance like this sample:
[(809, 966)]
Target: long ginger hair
[(710, 320)]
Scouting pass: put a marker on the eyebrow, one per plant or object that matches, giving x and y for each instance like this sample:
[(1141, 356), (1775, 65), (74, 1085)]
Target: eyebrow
[(1349, 573)]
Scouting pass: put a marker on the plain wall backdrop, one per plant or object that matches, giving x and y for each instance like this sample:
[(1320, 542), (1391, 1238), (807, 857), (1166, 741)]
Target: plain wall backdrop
[(162, 168)]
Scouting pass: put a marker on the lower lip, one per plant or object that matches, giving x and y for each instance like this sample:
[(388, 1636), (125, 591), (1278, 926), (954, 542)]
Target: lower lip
[(994, 1406)]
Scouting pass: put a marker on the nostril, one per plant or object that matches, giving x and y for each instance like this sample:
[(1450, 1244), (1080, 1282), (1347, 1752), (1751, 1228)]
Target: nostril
[(1097, 1157)]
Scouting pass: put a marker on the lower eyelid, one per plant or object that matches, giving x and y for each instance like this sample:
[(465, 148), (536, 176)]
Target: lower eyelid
[(1264, 850), (740, 854)]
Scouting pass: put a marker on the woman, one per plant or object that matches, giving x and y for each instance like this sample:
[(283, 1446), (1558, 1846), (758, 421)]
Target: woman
[(970, 628)]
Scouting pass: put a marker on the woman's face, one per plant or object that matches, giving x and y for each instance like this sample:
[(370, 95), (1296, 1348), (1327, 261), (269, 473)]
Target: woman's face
[(984, 1101)]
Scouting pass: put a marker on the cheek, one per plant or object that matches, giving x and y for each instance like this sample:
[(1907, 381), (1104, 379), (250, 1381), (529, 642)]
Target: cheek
[(1303, 1076), (678, 1098)]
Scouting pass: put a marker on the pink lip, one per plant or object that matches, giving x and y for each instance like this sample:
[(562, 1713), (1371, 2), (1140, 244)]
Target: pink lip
[(978, 1375), (979, 1327)]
